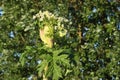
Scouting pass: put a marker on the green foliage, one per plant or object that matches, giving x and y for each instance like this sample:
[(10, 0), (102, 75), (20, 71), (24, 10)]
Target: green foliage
[(89, 51), (54, 59)]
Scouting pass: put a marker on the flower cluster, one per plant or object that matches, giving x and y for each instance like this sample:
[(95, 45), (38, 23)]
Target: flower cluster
[(46, 17), (46, 14)]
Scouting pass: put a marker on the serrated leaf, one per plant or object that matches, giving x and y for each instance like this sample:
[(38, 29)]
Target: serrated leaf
[(64, 62), (41, 66), (49, 58), (56, 52), (42, 56), (63, 56), (49, 71), (46, 57), (56, 72)]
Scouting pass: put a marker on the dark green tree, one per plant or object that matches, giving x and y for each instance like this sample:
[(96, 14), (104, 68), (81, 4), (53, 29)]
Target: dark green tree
[(89, 50)]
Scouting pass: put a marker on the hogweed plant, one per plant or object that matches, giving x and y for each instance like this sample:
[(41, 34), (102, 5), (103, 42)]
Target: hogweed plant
[(54, 60)]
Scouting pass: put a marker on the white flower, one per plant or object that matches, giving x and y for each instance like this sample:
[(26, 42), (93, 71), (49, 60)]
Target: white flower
[(55, 27), (60, 19), (59, 24), (66, 20), (34, 17)]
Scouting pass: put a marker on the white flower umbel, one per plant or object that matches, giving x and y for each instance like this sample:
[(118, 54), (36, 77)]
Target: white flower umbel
[(46, 17)]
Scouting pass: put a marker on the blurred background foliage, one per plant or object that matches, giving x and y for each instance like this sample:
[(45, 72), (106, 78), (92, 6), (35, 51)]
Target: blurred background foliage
[(93, 39)]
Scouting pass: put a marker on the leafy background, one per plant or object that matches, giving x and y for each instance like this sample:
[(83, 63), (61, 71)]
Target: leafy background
[(90, 50)]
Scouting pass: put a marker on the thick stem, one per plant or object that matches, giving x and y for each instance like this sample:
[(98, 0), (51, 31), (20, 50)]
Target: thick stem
[(45, 70), (48, 41)]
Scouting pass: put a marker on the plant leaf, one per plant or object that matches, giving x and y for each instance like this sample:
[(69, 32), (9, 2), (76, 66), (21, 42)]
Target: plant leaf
[(56, 72), (41, 66)]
